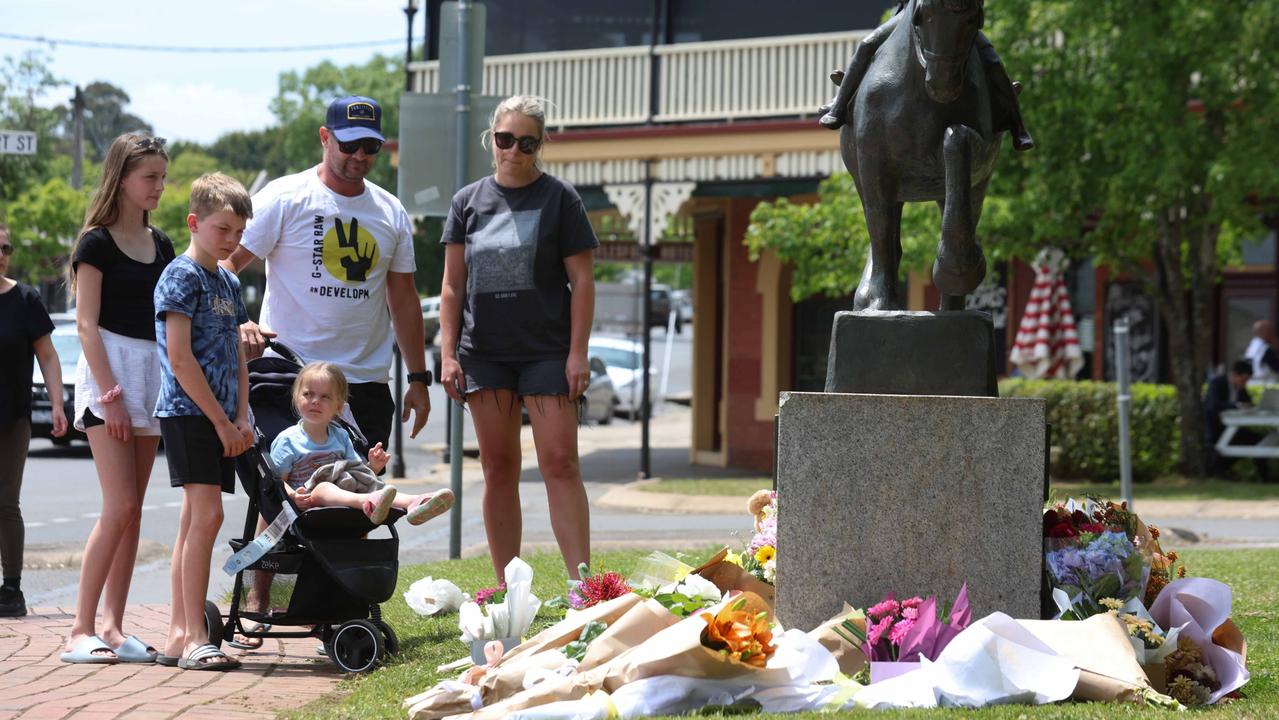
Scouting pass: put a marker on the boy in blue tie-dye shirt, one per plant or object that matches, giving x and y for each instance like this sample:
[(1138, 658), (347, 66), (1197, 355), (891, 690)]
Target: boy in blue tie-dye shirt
[(204, 401)]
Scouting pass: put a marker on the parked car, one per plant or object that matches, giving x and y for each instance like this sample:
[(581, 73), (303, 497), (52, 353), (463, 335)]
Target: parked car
[(599, 403), (431, 318), (661, 300), (622, 357), (62, 318), (67, 342), (684, 301)]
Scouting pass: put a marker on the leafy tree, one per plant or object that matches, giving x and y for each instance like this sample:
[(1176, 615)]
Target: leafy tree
[(25, 83), (1158, 131), (105, 118), (171, 214), (190, 165), (43, 220), (1160, 128), (253, 150)]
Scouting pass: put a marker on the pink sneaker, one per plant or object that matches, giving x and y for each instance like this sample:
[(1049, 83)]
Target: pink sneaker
[(378, 505), (426, 507)]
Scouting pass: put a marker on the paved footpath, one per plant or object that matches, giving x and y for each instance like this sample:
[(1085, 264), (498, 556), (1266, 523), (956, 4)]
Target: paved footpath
[(34, 683)]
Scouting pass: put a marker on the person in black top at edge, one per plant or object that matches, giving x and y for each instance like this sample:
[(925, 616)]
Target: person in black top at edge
[(1229, 391), (24, 336)]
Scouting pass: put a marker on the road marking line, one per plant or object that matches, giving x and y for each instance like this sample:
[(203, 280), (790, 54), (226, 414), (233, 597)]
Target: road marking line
[(60, 520), (150, 507), (173, 503), (91, 516), (34, 524)]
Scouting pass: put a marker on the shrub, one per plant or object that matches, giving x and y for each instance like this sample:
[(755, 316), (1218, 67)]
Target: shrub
[(1085, 424)]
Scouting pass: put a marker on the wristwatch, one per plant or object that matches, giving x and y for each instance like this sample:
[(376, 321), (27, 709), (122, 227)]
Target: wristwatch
[(423, 377)]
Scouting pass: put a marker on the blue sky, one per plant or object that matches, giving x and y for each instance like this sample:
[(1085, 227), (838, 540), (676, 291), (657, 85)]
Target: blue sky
[(199, 96)]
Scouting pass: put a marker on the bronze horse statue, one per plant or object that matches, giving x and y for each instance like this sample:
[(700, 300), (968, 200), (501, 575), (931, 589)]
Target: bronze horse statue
[(921, 127)]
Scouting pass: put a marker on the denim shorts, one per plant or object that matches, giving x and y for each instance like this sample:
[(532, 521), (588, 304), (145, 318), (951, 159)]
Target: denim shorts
[(524, 377)]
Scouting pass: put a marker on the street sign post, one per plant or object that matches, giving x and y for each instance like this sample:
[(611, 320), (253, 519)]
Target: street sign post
[(17, 142)]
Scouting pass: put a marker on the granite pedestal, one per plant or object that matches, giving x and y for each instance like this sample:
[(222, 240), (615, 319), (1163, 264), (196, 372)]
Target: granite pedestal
[(909, 494), (912, 353)]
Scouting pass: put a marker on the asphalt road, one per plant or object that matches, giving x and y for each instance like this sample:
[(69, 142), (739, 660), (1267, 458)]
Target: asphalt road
[(61, 499)]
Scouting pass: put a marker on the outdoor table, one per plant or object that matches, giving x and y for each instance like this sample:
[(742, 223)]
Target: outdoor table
[(1235, 419)]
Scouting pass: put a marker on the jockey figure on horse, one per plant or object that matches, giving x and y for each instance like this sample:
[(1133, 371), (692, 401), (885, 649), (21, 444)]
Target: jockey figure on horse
[(1003, 89)]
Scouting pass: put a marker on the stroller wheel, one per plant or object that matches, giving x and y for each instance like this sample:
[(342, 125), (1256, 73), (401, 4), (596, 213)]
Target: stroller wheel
[(213, 623), (356, 646), (388, 636)]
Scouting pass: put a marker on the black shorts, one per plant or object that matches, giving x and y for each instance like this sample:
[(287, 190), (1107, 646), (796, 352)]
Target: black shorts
[(194, 452), (91, 420), (525, 377), (374, 411)]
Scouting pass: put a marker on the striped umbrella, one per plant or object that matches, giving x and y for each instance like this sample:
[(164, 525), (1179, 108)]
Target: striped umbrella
[(1047, 345)]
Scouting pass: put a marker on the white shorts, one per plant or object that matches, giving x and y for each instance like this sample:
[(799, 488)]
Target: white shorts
[(135, 363)]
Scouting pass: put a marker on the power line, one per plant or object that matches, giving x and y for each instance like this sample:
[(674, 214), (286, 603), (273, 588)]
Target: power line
[(197, 49)]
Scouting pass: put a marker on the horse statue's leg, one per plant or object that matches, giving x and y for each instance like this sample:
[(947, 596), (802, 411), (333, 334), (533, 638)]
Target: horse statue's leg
[(878, 287), (960, 264), (977, 199)]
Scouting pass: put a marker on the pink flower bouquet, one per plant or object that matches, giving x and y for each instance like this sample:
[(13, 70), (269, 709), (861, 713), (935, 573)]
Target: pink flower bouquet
[(907, 630)]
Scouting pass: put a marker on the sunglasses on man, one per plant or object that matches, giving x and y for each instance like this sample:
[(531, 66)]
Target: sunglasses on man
[(528, 144), (6, 249), (370, 146)]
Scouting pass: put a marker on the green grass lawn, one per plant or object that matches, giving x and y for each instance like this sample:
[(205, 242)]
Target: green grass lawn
[(1177, 488), (430, 642), (736, 487), (1173, 488)]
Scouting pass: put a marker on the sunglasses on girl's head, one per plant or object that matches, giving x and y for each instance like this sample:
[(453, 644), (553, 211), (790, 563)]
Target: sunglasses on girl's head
[(528, 143), (370, 146), (151, 143)]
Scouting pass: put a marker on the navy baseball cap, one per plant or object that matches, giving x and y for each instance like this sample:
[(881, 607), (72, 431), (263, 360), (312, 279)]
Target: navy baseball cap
[(354, 118)]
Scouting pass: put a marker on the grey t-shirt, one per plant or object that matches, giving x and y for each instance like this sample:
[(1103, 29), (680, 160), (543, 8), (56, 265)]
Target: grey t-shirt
[(517, 304)]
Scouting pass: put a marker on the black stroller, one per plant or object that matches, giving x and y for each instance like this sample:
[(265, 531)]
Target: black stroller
[(326, 575)]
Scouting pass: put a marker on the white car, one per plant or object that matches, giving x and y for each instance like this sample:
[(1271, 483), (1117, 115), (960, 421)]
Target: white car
[(431, 318), (622, 357), (66, 340)]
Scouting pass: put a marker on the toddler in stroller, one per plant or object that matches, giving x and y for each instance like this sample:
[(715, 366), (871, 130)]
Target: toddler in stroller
[(325, 571), (320, 467)]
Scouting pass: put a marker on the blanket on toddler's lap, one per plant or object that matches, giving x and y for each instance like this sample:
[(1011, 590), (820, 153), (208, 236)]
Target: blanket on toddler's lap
[(348, 475)]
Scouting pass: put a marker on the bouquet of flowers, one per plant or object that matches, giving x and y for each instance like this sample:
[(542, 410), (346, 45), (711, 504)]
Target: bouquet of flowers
[(1094, 551), (487, 595), (741, 630), (907, 630), (594, 589), (1163, 568), (760, 557)]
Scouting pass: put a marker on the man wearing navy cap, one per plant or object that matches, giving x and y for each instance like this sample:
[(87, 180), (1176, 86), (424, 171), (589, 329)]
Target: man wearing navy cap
[(339, 270)]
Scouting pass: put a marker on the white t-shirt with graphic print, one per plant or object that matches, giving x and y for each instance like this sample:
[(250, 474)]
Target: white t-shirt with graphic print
[(327, 256)]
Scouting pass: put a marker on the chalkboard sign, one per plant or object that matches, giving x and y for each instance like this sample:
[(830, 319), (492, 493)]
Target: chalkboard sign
[(1127, 300)]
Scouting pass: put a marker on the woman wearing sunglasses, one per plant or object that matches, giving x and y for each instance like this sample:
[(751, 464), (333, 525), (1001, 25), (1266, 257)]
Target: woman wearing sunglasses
[(24, 336), (516, 308)]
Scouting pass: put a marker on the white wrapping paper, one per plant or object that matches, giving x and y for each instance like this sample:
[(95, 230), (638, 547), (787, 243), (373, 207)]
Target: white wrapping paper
[(429, 596), (1200, 607), (993, 661), (508, 619)]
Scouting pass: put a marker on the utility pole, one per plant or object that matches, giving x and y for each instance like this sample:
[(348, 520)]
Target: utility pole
[(462, 99), (77, 139)]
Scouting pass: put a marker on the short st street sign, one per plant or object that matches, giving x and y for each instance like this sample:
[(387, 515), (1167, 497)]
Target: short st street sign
[(17, 142)]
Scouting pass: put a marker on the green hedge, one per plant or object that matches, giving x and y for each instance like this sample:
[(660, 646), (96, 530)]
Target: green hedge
[(1085, 425)]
